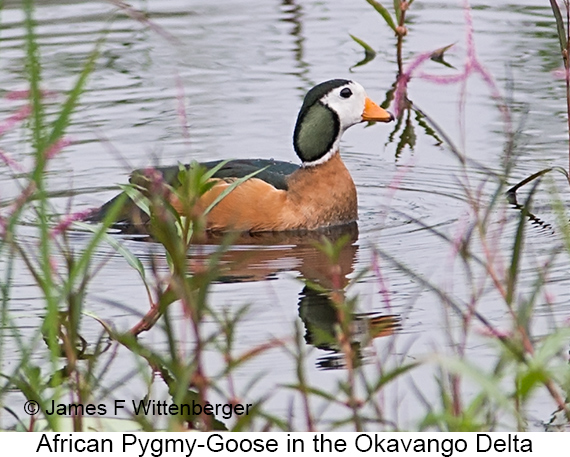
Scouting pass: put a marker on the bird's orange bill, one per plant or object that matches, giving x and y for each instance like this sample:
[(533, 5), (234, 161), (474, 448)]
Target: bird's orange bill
[(372, 112)]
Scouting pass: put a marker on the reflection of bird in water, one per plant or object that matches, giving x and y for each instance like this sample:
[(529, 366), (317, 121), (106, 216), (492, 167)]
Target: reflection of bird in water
[(321, 319), (260, 256)]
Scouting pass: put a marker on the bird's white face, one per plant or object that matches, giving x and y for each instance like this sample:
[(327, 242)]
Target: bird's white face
[(352, 106), (348, 102)]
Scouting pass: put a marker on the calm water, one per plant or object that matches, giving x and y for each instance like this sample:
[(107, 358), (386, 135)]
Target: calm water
[(243, 67)]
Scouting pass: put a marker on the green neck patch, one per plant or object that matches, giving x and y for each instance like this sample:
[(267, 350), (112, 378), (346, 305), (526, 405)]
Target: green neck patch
[(316, 131)]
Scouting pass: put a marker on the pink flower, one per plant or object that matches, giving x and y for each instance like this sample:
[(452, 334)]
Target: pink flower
[(4, 157), (472, 65), (68, 220), (15, 118)]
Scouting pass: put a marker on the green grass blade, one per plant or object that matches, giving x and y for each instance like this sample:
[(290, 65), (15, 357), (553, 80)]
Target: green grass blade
[(212, 171), (518, 247), (137, 197), (62, 122), (530, 178), (99, 231), (391, 375), (33, 73), (397, 10), (490, 387), (439, 57), (559, 25), (34, 78), (369, 53), (231, 187), (367, 48), (131, 259), (384, 13)]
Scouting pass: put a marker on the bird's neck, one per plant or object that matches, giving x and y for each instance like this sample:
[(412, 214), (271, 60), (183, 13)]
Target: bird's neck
[(317, 135)]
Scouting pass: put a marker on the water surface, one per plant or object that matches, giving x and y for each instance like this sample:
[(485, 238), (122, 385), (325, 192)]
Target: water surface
[(241, 69)]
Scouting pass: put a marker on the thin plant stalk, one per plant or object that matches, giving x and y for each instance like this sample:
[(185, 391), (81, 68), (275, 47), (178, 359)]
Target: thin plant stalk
[(567, 72), (401, 32)]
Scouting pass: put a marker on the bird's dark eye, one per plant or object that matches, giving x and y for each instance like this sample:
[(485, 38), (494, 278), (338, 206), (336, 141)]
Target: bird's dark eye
[(345, 93)]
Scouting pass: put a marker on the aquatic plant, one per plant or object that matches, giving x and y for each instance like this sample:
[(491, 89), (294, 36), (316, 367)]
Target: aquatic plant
[(405, 111), (523, 361)]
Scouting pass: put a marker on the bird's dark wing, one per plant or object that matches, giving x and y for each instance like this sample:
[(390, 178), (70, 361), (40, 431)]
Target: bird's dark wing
[(274, 172)]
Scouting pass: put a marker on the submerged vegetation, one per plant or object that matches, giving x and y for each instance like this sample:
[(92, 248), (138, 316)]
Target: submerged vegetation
[(59, 365)]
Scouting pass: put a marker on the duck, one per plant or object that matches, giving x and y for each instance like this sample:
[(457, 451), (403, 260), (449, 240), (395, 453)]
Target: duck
[(315, 194)]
